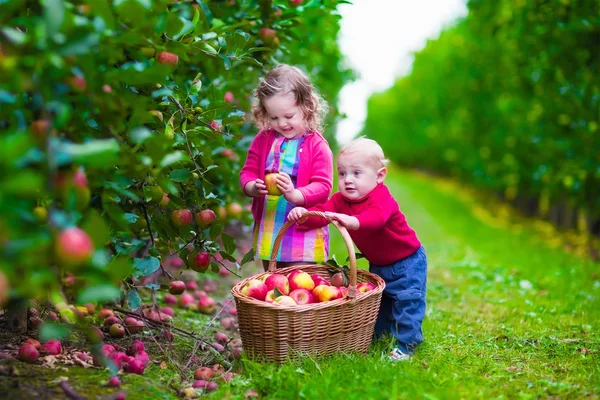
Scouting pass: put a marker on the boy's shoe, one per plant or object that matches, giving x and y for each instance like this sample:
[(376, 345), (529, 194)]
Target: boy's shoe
[(398, 355)]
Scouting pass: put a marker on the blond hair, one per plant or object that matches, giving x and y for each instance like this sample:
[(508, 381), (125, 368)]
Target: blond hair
[(368, 148), (284, 79)]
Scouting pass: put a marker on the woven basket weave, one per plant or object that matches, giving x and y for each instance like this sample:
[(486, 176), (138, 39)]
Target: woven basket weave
[(278, 333)]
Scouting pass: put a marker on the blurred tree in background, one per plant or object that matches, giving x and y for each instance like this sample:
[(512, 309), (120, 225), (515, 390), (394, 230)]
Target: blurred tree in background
[(509, 100), (122, 120)]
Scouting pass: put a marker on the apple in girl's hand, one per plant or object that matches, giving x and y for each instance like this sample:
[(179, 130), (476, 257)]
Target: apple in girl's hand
[(365, 287), (278, 281), (319, 280), (255, 289), (324, 293), (285, 301), (271, 183), (302, 296), (302, 281), (270, 297)]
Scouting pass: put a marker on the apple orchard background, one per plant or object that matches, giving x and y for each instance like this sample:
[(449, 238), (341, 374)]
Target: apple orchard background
[(116, 116)]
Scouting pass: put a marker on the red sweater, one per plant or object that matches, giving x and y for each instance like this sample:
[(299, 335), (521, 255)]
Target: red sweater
[(315, 173), (384, 236)]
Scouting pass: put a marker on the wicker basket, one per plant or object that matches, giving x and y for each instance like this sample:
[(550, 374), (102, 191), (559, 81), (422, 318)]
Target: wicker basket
[(273, 332)]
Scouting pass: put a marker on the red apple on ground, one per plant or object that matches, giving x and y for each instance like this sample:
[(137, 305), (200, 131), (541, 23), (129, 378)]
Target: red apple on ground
[(222, 338), (302, 281), (168, 336), (34, 343), (181, 218), (207, 305), (135, 347), (135, 367), (186, 300), (278, 281), (168, 311), (271, 183), (170, 299), (302, 296), (28, 353), (205, 218), (190, 286), (284, 301), (256, 289), (114, 381), (105, 313), (134, 325), (205, 373), (365, 287), (73, 247), (176, 287), (164, 57), (52, 347), (117, 331)]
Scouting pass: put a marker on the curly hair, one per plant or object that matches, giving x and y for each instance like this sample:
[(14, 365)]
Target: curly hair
[(285, 79)]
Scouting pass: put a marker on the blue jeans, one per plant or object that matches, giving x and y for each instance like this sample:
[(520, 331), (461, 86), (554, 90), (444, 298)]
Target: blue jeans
[(403, 301)]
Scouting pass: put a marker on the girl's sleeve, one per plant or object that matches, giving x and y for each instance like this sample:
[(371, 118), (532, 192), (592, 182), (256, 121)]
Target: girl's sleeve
[(321, 180), (250, 170)]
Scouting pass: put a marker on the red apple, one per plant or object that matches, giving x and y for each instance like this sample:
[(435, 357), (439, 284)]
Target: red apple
[(135, 347), (270, 297), (73, 247), (170, 299), (293, 274), (181, 218), (324, 293), (256, 289), (78, 83), (164, 201), (114, 381), (117, 331), (365, 287), (278, 281), (221, 337), (229, 98), (135, 367), (268, 36), (285, 301), (205, 373), (134, 325), (176, 287), (105, 313), (52, 347), (200, 261), (296, 2), (234, 210), (33, 342), (302, 281), (41, 127), (168, 336), (28, 353), (168, 310), (186, 300), (190, 286), (319, 280), (271, 182), (302, 296), (207, 305), (205, 218), (338, 279), (164, 57)]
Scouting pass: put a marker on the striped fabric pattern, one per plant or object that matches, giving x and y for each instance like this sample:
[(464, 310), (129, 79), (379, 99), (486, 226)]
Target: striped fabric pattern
[(297, 245)]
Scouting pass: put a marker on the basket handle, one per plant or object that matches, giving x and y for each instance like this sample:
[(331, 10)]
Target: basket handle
[(345, 235)]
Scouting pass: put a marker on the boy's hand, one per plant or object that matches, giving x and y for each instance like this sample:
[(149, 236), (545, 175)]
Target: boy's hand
[(256, 188), (346, 220), (297, 215)]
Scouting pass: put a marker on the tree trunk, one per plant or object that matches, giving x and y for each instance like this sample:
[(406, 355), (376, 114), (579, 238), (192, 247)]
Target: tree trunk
[(16, 315)]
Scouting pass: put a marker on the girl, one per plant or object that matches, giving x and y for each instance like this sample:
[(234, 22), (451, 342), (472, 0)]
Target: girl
[(289, 113)]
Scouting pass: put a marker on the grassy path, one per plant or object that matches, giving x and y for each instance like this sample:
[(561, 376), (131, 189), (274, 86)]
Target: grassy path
[(509, 315)]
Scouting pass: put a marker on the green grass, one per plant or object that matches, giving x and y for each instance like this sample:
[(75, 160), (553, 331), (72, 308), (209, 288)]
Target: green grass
[(509, 315)]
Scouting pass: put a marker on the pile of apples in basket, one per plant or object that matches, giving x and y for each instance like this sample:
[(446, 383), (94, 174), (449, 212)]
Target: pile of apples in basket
[(299, 288)]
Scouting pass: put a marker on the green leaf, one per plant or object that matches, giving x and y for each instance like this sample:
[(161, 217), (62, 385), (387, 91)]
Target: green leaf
[(214, 267), (99, 153), (49, 330), (145, 266), (276, 292), (333, 262), (249, 256), (228, 242), (15, 36), (99, 293), (54, 14), (206, 13), (208, 49), (215, 230), (133, 299), (95, 226), (140, 134), (173, 158), (180, 175), (226, 61), (227, 256)]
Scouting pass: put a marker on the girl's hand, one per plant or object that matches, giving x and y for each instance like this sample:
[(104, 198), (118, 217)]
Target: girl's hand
[(297, 215), (291, 194), (347, 221), (256, 188)]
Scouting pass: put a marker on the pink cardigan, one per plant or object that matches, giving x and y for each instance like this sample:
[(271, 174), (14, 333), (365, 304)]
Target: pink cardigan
[(315, 173)]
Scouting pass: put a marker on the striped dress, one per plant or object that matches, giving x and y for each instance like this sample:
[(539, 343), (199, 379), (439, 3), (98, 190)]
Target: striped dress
[(297, 245)]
